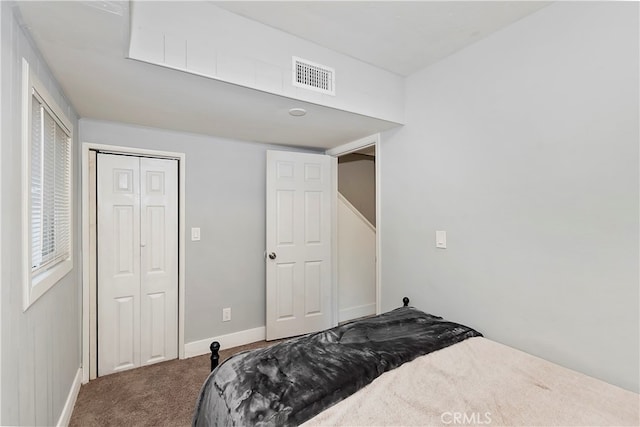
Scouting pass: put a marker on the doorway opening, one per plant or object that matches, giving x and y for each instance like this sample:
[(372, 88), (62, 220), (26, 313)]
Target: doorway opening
[(357, 234), (358, 229)]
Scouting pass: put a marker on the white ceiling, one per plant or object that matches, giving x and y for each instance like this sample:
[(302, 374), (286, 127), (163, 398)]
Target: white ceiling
[(84, 43), (399, 36)]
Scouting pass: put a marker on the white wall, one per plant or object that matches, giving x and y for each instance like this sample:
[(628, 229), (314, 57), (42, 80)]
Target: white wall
[(202, 38), (225, 197), (524, 148), (40, 347), (356, 263)]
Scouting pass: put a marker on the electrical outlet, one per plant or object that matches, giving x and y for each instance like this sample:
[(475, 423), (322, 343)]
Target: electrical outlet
[(226, 314)]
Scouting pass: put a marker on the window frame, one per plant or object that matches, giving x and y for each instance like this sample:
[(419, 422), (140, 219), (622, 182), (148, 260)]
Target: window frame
[(35, 284)]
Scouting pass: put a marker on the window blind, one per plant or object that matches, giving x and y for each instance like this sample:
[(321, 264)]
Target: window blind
[(50, 188)]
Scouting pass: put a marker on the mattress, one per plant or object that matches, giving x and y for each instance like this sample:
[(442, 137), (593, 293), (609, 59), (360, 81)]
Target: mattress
[(481, 382)]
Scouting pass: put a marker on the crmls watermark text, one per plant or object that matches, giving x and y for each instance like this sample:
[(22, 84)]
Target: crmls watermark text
[(466, 418)]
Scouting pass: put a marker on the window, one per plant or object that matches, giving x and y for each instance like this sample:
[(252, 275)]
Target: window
[(47, 143)]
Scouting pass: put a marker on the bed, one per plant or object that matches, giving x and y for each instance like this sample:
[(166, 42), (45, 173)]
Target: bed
[(404, 367)]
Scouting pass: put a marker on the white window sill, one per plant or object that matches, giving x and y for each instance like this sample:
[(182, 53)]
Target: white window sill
[(44, 281)]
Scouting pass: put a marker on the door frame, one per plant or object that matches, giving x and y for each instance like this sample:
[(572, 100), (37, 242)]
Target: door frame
[(87, 281), (350, 147)]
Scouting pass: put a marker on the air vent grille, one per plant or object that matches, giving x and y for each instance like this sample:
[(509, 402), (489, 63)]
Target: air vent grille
[(313, 76)]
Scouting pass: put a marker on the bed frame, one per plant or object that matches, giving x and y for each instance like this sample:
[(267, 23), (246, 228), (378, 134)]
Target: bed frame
[(215, 346)]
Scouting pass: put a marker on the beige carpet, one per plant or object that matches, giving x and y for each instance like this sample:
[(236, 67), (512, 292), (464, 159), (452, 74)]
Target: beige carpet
[(163, 394)]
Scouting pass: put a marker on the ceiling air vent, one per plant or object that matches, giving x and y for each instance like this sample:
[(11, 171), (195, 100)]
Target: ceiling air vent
[(314, 76)]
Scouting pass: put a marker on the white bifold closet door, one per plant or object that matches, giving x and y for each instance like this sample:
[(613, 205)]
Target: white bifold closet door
[(137, 201)]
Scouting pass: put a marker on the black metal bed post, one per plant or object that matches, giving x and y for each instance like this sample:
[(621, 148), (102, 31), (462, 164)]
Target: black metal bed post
[(405, 302), (215, 357)]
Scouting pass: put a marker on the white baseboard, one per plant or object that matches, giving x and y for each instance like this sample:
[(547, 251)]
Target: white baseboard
[(198, 348), (357, 311), (65, 416)]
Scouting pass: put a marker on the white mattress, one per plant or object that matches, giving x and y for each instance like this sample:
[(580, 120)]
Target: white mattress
[(481, 382)]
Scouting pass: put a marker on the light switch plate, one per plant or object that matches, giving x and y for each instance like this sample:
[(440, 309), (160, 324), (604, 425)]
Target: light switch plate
[(195, 234), (441, 239)]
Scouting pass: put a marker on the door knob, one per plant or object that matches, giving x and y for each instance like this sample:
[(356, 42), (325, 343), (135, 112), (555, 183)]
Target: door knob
[(272, 255)]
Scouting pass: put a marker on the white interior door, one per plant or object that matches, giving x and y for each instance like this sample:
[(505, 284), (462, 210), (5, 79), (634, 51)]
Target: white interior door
[(300, 188), (118, 263), (158, 260), (137, 261)]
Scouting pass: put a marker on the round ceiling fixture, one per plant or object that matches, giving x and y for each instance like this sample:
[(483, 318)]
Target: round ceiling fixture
[(297, 112)]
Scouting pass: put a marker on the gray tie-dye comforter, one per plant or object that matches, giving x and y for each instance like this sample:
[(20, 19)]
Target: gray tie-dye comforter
[(292, 381)]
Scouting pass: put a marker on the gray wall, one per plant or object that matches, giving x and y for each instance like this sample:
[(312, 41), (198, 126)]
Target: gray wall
[(524, 148), (357, 183), (225, 197), (40, 347)]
